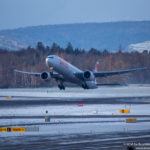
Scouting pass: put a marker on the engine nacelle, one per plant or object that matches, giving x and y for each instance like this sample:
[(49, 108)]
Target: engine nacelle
[(88, 76), (46, 76)]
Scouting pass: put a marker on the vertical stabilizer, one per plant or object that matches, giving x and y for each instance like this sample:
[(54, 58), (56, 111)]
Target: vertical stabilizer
[(96, 66)]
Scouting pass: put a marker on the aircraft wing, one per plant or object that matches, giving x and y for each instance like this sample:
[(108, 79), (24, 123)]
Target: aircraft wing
[(110, 73), (55, 75), (29, 73)]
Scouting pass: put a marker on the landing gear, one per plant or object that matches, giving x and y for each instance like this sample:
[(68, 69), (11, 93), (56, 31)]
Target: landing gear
[(61, 86), (84, 86)]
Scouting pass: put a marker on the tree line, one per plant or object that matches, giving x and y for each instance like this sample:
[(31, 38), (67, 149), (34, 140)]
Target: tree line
[(33, 59)]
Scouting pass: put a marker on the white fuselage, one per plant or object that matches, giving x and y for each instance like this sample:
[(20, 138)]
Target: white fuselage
[(67, 70)]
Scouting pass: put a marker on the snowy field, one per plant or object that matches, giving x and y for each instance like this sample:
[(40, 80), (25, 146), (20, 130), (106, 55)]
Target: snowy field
[(101, 92), (82, 123), (75, 110)]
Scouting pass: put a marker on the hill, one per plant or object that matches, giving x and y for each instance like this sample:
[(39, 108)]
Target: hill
[(88, 35)]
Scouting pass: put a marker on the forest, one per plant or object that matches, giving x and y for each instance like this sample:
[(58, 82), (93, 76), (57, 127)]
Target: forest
[(33, 59)]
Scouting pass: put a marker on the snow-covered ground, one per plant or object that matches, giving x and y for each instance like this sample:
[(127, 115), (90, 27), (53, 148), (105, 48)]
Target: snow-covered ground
[(77, 125), (84, 128), (71, 110), (101, 92), (74, 109)]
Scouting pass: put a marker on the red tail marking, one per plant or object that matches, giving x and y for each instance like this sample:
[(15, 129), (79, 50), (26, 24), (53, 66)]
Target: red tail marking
[(96, 66)]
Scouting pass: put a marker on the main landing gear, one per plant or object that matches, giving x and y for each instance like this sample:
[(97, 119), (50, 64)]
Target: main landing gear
[(60, 85), (84, 86)]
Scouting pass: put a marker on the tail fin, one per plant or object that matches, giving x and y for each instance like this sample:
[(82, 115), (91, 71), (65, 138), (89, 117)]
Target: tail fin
[(96, 66)]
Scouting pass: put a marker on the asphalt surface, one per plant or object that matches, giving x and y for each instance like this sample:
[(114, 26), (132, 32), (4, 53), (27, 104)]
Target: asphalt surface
[(27, 101), (117, 141)]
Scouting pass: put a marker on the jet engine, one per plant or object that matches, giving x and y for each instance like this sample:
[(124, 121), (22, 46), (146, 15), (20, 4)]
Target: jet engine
[(88, 76), (46, 76)]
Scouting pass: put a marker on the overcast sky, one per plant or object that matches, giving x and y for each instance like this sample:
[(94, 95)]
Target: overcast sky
[(21, 13)]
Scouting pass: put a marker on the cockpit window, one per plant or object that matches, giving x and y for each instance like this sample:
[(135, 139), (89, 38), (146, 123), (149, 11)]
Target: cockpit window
[(50, 57)]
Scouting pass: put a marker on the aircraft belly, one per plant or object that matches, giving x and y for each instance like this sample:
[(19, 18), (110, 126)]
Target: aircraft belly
[(68, 74)]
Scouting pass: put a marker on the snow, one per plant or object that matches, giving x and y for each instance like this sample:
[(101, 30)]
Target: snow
[(140, 47), (70, 110), (101, 92), (59, 126)]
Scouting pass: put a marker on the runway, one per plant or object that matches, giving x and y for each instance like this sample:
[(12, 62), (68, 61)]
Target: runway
[(98, 122), (28, 101), (78, 141)]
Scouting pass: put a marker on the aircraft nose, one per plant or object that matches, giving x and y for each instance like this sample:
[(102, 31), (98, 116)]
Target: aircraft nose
[(47, 61), (50, 60)]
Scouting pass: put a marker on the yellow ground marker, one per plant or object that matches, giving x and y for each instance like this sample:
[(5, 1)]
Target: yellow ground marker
[(14, 129), (3, 129), (124, 111), (18, 129), (131, 120), (8, 97)]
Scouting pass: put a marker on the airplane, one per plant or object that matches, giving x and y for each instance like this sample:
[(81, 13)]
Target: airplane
[(62, 71)]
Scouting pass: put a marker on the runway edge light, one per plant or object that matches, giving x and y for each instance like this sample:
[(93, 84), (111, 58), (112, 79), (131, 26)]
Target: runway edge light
[(80, 104)]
